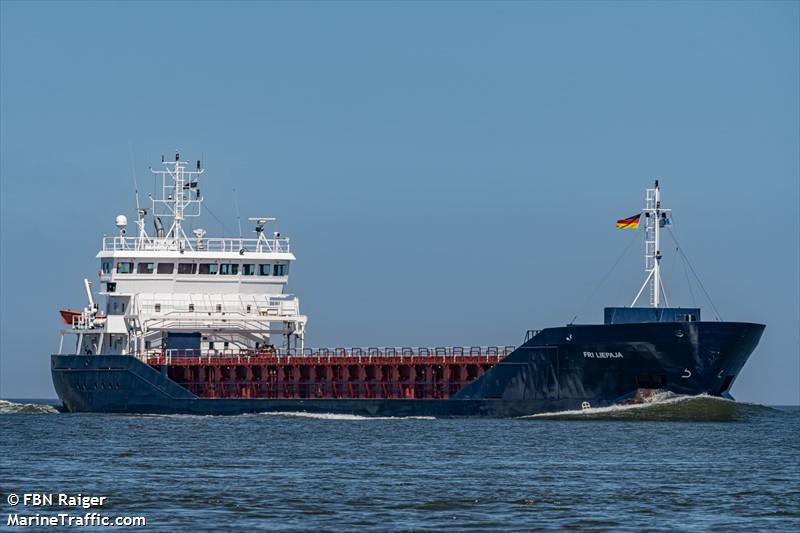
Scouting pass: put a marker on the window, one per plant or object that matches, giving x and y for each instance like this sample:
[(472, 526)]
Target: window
[(111, 287), (219, 308), (248, 270), (279, 270), (106, 266), (158, 308), (229, 269), (248, 308), (208, 268), (145, 268), (191, 307), (263, 269), (187, 268), (124, 267), (166, 268)]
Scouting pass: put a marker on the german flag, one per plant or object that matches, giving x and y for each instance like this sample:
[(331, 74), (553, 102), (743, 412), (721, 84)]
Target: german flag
[(629, 223)]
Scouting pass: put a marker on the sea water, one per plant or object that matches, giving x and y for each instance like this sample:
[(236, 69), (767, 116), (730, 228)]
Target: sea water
[(677, 463)]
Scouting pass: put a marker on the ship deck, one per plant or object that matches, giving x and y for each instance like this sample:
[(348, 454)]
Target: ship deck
[(371, 373)]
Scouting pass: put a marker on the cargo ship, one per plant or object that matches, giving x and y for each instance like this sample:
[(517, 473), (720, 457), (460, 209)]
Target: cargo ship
[(199, 325)]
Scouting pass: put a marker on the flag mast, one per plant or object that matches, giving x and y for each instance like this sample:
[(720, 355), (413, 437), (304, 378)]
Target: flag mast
[(655, 217)]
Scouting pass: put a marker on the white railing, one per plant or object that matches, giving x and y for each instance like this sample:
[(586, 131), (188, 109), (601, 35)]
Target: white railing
[(87, 321), (111, 244)]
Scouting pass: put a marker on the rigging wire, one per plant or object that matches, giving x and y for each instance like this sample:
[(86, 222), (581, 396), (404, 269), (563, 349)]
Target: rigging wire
[(688, 281), (602, 281), (691, 268), (671, 270), (210, 212), (135, 181)]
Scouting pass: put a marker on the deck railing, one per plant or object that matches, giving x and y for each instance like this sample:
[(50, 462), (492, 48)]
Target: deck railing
[(321, 355), (133, 244)]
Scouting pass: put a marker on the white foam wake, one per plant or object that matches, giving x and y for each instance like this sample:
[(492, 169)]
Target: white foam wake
[(664, 406), (11, 408), (661, 398), (336, 416)]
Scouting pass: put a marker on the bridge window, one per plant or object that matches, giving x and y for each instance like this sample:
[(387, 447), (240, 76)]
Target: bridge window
[(145, 268), (187, 268), (229, 269), (166, 268), (263, 269), (208, 268), (106, 266), (279, 270), (124, 267), (248, 270)]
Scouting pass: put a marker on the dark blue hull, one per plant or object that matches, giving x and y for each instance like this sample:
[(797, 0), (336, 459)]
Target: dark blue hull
[(558, 369)]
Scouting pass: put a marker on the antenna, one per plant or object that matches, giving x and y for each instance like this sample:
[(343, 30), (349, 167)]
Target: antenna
[(135, 181), (238, 216), (140, 211)]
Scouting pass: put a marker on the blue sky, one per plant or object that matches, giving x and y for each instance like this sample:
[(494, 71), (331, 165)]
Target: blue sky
[(449, 173)]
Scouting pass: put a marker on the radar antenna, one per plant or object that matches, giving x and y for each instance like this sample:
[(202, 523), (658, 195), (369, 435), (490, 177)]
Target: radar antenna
[(259, 229)]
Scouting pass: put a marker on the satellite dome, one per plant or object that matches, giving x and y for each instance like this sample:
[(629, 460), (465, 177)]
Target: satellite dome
[(121, 221)]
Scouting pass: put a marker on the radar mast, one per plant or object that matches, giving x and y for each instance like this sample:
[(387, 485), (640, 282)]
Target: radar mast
[(178, 185)]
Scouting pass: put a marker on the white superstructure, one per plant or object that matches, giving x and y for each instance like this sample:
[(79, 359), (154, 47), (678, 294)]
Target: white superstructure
[(166, 290)]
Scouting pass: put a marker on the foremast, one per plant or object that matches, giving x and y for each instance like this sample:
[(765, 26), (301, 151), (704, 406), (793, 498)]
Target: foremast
[(655, 218)]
